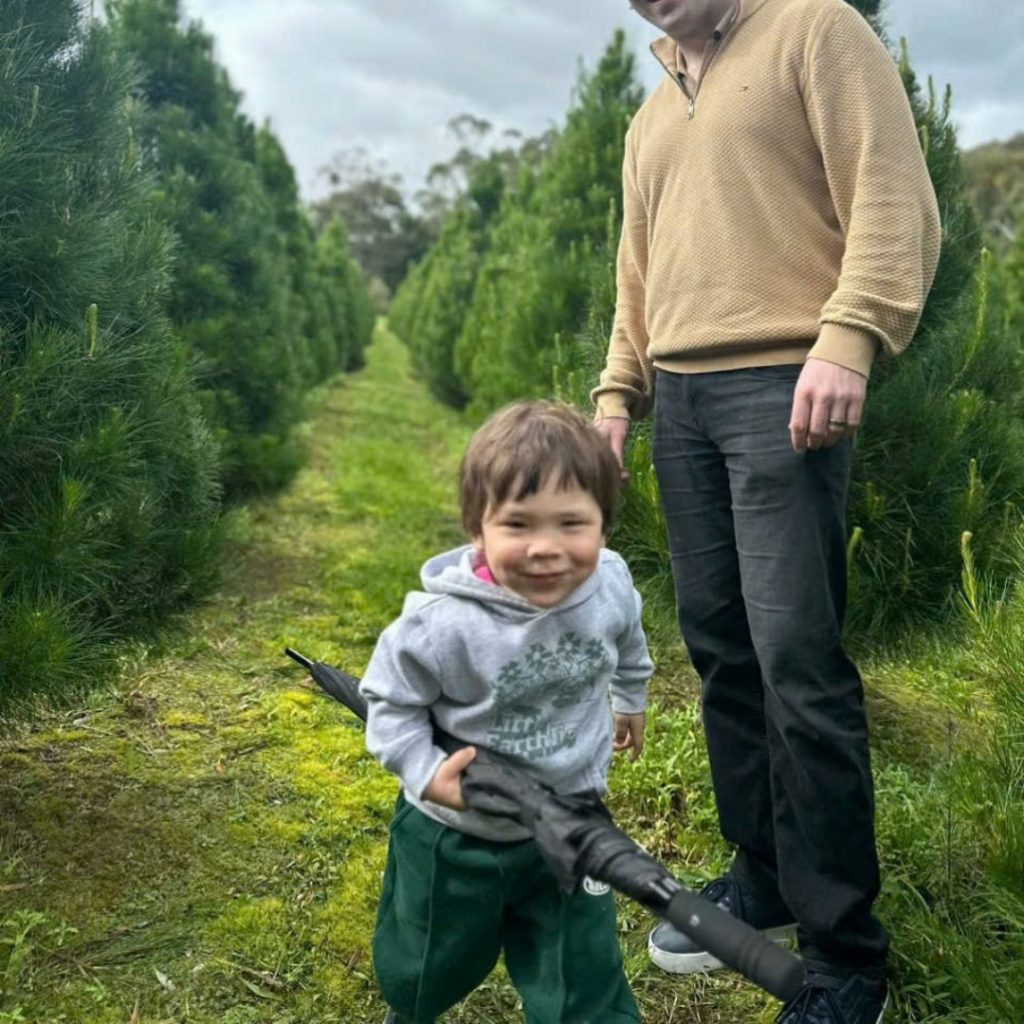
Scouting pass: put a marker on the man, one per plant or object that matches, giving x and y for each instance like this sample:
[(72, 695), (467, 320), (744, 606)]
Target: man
[(779, 230)]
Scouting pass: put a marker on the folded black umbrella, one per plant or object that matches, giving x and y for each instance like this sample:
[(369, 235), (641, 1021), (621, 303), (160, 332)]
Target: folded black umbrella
[(578, 839)]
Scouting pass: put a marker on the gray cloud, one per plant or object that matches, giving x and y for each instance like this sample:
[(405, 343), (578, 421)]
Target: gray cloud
[(977, 47), (337, 73)]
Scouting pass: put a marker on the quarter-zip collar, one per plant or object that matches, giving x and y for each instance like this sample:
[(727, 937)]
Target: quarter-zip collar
[(666, 50)]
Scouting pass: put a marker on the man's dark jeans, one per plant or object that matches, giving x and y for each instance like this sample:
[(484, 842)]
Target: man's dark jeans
[(757, 536)]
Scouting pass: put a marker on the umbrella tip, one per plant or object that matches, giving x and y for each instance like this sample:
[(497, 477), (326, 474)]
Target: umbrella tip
[(300, 658)]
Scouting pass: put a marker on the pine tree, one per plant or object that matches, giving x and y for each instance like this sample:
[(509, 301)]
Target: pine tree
[(1014, 275), (429, 310), (239, 297), (533, 284), (939, 452), (349, 309), (314, 350), (869, 8), (108, 493)]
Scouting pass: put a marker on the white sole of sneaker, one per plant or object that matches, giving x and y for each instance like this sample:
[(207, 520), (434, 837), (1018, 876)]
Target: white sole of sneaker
[(703, 962), (885, 1006)]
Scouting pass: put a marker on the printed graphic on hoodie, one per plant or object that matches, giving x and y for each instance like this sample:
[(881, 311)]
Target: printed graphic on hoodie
[(563, 676)]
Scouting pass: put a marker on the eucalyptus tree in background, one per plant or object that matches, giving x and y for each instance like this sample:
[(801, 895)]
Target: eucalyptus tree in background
[(429, 309), (108, 492), (996, 175), (384, 234)]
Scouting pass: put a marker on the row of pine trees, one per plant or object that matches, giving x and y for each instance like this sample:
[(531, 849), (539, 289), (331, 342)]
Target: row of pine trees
[(165, 305), (516, 299)]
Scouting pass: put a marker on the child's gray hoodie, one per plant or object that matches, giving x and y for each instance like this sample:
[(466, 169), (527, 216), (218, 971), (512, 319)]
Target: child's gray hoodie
[(493, 670)]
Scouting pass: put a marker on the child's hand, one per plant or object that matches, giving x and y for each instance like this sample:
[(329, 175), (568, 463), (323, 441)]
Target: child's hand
[(629, 734), (445, 788)]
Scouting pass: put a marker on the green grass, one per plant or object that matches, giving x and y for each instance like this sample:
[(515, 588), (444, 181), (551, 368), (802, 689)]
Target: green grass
[(205, 840)]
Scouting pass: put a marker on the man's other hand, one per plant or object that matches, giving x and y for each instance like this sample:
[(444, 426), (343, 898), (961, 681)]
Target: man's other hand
[(827, 405), (615, 430)]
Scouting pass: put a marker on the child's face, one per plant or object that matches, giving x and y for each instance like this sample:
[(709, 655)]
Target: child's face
[(544, 545)]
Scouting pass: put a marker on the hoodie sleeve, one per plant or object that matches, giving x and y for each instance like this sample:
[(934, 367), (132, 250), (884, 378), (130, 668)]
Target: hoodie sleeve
[(634, 668), (400, 685), (629, 684)]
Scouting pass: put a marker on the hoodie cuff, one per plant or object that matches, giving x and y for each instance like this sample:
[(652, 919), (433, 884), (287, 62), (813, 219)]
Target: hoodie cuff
[(626, 702), (418, 767)]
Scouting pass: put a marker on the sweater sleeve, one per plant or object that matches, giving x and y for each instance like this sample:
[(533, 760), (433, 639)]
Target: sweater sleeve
[(626, 382), (862, 121), (399, 685), (629, 684)]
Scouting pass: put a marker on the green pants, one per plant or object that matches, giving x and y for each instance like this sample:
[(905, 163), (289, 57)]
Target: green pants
[(452, 903)]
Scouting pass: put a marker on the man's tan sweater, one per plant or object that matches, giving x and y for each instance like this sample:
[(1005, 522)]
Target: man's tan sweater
[(785, 212)]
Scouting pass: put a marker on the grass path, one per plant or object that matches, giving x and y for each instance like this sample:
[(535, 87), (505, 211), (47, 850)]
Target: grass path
[(203, 842)]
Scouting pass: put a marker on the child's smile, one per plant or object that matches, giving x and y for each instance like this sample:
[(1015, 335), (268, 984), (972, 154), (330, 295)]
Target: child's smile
[(544, 545)]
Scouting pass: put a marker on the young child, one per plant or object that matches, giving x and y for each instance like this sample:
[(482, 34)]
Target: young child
[(514, 645)]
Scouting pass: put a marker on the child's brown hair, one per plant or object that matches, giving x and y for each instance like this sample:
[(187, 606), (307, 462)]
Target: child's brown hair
[(522, 446)]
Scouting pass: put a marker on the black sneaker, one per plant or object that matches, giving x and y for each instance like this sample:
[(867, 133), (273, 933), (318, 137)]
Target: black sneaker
[(824, 999), (676, 953)]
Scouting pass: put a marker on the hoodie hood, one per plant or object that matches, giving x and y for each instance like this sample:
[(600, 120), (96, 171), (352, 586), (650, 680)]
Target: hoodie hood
[(452, 574)]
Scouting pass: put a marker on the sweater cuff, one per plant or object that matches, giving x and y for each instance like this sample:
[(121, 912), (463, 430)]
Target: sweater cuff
[(851, 347), (612, 405)]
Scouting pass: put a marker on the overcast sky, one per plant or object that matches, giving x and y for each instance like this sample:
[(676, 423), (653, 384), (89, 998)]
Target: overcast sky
[(331, 74)]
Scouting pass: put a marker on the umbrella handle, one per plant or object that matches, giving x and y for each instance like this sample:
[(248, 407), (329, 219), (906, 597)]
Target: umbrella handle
[(737, 944)]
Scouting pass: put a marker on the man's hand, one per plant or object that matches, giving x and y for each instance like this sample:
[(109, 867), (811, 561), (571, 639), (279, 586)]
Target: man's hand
[(615, 430), (629, 734), (445, 788), (827, 405)]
